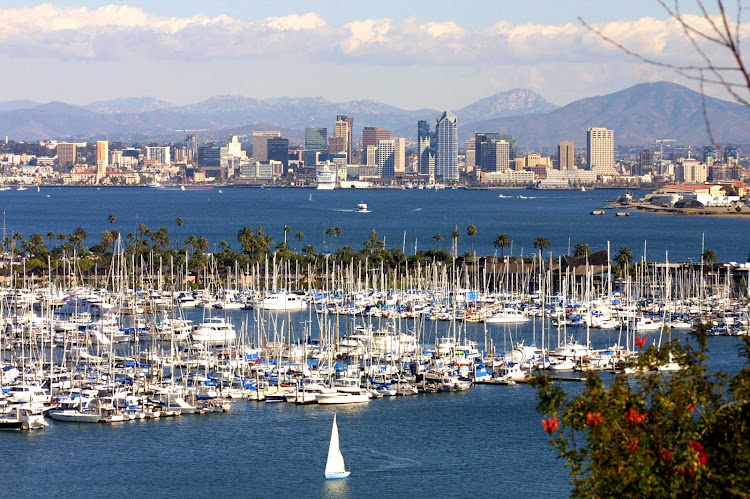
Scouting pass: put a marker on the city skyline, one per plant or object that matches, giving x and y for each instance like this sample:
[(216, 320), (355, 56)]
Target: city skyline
[(107, 51)]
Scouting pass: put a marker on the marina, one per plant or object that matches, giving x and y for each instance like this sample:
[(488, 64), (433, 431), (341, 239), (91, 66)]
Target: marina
[(426, 361)]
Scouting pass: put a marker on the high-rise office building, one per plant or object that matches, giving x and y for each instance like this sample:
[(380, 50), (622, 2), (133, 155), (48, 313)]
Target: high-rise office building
[(446, 146), (370, 156), (502, 156), (484, 149), (102, 159), (316, 139), (371, 135), (386, 158), (566, 155), (399, 155), (600, 151), (260, 145), (343, 129), (278, 150), (426, 149), (66, 153), (191, 146)]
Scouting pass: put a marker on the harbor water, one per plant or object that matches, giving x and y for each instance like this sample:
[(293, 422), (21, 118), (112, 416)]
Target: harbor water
[(486, 441)]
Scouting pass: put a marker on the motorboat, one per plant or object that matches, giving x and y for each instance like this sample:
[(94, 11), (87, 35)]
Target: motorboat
[(280, 301), (362, 207), (215, 331), (507, 316)]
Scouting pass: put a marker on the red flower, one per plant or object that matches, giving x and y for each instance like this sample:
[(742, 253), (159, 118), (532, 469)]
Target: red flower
[(639, 342), (691, 408), (691, 473), (695, 445), (702, 458), (550, 425), (681, 472), (632, 445), (593, 419), (666, 456), (635, 417)]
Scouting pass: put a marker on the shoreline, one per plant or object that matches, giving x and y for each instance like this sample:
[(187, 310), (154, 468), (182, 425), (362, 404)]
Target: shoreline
[(720, 212)]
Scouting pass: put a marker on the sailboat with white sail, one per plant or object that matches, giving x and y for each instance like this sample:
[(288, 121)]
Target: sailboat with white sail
[(335, 467)]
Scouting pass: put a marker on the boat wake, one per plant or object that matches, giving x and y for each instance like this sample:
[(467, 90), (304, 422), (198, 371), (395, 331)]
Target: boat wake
[(503, 196), (526, 197), (343, 210), (417, 209), (389, 462)]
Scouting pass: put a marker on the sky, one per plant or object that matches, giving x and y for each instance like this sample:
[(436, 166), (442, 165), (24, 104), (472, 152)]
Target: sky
[(438, 54)]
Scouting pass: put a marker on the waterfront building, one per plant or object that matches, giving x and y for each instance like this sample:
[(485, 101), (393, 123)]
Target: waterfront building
[(371, 135), (470, 156), (160, 154), (600, 151), (446, 146), (370, 156), (316, 139), (426, 149), (260, 144), (566, 155), (343, 130), (66, 153), (485, 149), (386, 158)]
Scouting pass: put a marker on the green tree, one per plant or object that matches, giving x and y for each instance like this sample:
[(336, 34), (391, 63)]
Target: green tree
[(50, 237), (300, 236), (502, 241), (541, 243), (684, 434), (455, 235), (471, 231), (111, 218), (624, 258), (709, 256), (437, 238), (581, 250), (287, 229)]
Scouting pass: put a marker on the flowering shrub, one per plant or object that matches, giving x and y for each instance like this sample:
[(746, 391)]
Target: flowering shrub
[(684, 433)]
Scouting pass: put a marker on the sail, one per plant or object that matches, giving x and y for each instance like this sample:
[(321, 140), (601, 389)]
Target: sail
[(335, 463)]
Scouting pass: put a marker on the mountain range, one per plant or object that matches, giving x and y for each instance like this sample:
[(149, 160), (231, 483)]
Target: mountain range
[(638, 114)]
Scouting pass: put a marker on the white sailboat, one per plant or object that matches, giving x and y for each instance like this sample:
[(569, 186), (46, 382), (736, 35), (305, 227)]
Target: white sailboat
[(335, 467)]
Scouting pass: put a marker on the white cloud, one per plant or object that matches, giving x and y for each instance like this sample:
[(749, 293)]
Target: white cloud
[(118, 32)]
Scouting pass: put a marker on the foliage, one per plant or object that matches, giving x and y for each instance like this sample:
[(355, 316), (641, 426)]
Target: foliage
[(679, 434)]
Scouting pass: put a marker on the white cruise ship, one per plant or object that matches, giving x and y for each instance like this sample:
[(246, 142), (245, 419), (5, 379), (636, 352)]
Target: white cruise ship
[(326, 177)]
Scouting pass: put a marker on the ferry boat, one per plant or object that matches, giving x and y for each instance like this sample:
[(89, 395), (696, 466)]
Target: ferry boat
[(362, 207), (326, 178)]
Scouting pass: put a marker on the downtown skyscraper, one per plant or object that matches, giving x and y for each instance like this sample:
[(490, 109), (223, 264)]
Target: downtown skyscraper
[(426, 150), (446, 146)]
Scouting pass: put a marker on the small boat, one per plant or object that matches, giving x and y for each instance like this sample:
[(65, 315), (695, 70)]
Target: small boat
[(335, 466), (21, 188), (583, 189), (182, 187), (220, 191), (362, 207)]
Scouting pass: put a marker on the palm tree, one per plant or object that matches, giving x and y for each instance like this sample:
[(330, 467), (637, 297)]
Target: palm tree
[(581, 250), (624, 257), (455, 235), (287, 229), (438, 237), (330, 231), (471, 231), (541, 243), (338, 232), (50, 236), (709, 256), (111, 218), (300, 236), (502, 241)]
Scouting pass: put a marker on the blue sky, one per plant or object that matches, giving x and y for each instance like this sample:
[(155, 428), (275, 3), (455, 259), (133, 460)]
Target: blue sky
[(412, 54)]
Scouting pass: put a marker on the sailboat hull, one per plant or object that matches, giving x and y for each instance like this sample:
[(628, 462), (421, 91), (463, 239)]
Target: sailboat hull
[(336, 476)]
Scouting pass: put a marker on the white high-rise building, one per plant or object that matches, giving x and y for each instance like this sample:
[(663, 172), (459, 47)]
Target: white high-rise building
[(399, 155), (159, 154), (446, 146), (502, 156), (600, 151), (386, 158)]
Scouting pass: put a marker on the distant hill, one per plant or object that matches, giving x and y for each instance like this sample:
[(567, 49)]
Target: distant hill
[(518, 101), (639, 115), (127, 105)]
